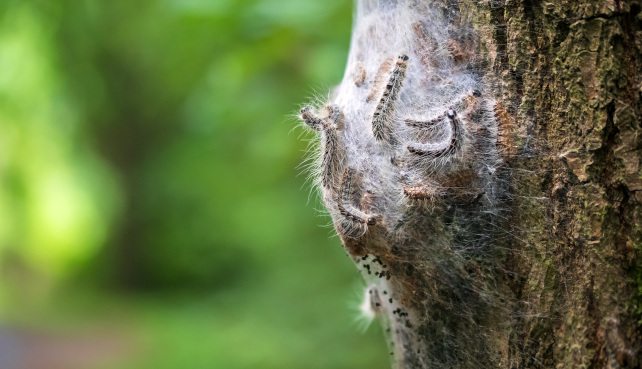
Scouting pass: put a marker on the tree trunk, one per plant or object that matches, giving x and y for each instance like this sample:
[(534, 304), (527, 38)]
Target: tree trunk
[(481, 163), (569, 74)]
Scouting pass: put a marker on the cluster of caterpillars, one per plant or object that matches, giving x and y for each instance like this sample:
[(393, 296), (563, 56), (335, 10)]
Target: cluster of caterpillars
[(341, 183)]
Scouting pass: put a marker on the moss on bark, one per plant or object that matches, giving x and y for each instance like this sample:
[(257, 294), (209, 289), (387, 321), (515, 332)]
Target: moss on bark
[(569, 72)]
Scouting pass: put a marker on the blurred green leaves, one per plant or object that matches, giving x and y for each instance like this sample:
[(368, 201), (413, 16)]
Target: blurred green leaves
[(56, 198), (149, 145), (154, 135)]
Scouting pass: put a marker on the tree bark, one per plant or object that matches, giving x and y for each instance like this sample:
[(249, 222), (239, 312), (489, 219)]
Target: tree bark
[(481, 163), (570, 74)]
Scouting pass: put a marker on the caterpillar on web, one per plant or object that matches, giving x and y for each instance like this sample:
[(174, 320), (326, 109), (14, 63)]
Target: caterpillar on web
[(447, 146), (328, 124), (355, 222), (383, 112)]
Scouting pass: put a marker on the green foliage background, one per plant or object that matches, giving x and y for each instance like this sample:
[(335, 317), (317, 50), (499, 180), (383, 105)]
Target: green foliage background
[(148, 181)]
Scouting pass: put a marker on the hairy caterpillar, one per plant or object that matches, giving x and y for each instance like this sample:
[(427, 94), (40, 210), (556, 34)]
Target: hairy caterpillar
[(380, 78), (320, 123), (359, 74), (328, 125), (505, 131), (448, 146), (382, 114), (422, 123), (420, 192), (331, 164), (355, 222)]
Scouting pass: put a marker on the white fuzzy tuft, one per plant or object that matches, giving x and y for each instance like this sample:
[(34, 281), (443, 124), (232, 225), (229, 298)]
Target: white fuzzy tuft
[(409, 171)]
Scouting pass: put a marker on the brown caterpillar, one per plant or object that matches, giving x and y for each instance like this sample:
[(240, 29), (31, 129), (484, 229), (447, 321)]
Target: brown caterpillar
[(384, 68), (359, 74), (448, 146), (505, 130), (383, 111), (422, 124), (355, 222), (329, 125), (420, 192), (331, 162), (317, 122)]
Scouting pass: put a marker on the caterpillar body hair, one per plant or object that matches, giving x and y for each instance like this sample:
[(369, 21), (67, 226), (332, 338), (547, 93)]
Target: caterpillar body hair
[(355, 222), (423, 123), (505, 131), (328, 124), (331, 161), (346, 208), (359, 74), (420, 192), (380, 78), (319, 122), (447, 146), (382, 115), (312, 119)]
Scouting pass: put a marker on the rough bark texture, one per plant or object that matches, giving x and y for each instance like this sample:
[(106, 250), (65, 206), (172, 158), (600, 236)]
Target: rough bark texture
[(505, 232), (570, 73)]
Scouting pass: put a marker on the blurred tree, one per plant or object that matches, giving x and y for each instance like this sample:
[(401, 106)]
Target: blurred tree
[(159, 85)]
